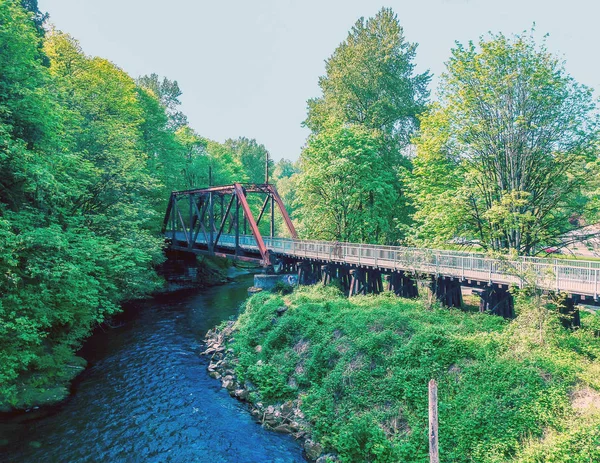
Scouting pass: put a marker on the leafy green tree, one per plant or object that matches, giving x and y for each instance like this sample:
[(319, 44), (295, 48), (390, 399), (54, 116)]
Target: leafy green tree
[(39, 18), (345, 186), (75, 205), (252, 157), (168, 93), (505, 155), (370, 81)]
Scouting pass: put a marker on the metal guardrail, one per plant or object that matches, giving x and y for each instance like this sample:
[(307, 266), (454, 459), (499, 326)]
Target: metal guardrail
[(575, 277)]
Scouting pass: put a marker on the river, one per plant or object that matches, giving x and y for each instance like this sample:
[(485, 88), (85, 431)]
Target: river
[(146, 396)]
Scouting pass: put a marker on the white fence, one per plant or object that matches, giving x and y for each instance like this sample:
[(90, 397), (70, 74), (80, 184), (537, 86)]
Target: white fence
[(576, 277)]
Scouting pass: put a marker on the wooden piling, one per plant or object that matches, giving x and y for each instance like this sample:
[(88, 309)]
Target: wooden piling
[(434, 455)]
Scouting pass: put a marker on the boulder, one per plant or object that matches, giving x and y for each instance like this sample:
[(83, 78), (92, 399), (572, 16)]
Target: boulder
[(281, 310), (242, 394), (313, 449)]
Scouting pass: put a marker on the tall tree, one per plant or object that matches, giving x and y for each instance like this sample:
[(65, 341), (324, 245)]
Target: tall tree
[(38, 17), (168, 93), (370, 83), (345, 187), (252, 156), (504, 156)]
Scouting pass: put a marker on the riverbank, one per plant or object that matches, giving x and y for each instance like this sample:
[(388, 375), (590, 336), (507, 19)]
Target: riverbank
[(349, 377), (146, 395), (50, 384)]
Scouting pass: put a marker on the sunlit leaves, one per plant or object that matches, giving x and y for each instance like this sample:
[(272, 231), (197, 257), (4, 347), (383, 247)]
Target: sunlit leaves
[(515, 138)]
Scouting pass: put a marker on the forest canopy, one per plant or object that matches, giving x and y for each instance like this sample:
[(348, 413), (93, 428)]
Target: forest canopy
[(88, 157)]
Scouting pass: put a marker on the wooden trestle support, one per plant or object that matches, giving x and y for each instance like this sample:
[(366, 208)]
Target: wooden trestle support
[(402, 285), (497, 300), (569, 314), (447, 290)]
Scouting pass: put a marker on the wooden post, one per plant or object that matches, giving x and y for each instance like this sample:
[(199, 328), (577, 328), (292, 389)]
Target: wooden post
[(434, 455)]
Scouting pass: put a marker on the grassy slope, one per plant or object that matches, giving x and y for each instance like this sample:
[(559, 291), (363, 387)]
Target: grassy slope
[(361, 368)]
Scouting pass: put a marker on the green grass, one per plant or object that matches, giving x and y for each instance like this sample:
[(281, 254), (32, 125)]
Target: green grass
[(360, 367)]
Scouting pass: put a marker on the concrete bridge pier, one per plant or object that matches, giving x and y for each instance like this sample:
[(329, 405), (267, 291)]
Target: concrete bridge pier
[(448, 291), (498, 301), (402, 285)]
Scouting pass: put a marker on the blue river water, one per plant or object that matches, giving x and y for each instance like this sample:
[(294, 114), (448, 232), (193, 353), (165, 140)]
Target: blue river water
[(147, 397)]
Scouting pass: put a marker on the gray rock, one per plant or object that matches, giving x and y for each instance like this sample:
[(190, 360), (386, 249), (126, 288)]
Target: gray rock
[(313, 449), (281, 310), (242, 394), (283, 428)]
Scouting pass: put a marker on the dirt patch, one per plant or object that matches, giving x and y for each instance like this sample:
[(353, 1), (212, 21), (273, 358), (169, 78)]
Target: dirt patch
[(586, 401)]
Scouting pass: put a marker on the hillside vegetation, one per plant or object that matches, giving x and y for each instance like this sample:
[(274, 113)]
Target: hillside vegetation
[(88, 158), (521, 390)]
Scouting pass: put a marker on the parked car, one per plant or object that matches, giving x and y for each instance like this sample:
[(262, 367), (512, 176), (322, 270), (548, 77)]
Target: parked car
[(551, 250)]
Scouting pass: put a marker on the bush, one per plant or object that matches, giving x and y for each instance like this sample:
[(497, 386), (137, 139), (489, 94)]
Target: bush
[(361, 368)]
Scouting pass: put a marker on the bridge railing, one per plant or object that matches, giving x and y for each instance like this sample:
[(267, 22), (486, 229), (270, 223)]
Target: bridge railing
[(579, 277)]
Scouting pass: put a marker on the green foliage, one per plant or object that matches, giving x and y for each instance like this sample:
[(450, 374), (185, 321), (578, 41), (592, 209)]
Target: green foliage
[(360, 126), (251, 156), (345, 186), (361, 366), (88, 158), (168, 93), (507, 155), (370, 81)]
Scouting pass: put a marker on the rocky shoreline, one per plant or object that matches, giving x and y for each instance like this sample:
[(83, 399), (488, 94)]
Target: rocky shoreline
[(285, 417)]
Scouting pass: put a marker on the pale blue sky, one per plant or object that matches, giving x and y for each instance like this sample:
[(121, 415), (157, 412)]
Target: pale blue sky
[(246, 68)]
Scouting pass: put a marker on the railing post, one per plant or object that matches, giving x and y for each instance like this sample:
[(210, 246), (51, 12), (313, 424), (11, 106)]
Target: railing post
[(237, 225), (556, 272), (595, 284), (191, 221)]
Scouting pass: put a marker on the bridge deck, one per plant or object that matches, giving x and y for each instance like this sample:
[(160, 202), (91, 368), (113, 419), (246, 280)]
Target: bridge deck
[(574, 277)]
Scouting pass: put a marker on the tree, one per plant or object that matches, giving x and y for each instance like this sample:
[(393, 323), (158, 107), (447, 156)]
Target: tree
[(345, 187), (252, 156), (168, 93), (370, 84), (39, 18), (370, 81), (504, 157)]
